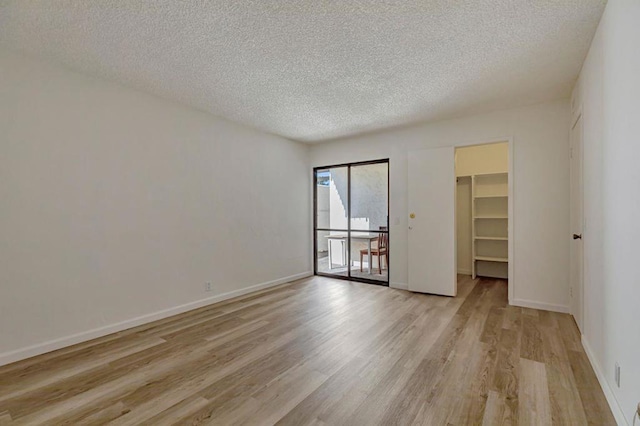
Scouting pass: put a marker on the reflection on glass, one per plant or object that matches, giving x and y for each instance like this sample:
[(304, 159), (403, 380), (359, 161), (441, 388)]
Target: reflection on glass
[(369, 196), (332, 198)]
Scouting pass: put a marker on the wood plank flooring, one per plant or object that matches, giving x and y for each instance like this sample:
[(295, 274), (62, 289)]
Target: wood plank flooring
[(322, 352)]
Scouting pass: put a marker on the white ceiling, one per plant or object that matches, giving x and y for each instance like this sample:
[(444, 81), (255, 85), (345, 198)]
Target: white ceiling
[(313, 70)]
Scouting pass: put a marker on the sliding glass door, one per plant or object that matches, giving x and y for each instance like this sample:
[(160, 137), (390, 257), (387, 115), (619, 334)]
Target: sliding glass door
[(351, 225)]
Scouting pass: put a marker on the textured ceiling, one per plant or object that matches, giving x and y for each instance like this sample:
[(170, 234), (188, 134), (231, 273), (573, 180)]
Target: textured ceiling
[(313, 70)]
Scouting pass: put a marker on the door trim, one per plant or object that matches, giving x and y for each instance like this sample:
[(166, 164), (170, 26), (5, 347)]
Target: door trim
[(510, 244), (574, 122)]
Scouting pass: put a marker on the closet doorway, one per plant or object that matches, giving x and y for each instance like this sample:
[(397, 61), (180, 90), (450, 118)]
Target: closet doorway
[(460, 202), (351, 221), (482, 210)]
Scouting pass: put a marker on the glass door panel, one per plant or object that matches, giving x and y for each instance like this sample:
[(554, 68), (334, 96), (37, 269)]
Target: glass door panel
[(332, 198), (331, 220), (369, 197)]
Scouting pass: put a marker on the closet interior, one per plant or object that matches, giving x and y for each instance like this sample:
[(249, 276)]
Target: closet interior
[(482, 210)]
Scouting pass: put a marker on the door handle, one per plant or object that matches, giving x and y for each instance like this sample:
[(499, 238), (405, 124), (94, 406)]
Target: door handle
[(577, 236)]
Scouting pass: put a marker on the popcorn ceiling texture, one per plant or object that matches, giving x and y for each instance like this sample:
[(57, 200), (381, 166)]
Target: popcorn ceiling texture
[(313, 70)]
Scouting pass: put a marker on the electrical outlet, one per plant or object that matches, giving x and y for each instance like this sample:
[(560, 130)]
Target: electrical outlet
[(617, 374), (207, 286)]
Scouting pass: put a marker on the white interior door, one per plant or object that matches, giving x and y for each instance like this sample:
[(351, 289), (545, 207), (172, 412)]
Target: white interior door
[(577, 271), (432, 215)]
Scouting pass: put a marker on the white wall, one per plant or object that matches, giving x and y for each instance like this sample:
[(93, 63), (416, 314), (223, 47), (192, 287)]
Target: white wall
[(117, 204), (608, 91), (479, 159), (541, 183)]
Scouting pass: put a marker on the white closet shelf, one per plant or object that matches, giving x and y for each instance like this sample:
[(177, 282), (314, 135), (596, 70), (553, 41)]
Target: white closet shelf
[(498, 216), (489, 224), (492, 259), (491, 196), (481, 175)]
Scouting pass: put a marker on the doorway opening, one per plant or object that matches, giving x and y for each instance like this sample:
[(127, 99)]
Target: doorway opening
[(482, 210), (351, 221)]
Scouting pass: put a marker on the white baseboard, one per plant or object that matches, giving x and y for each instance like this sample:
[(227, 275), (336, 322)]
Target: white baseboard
[(618, 414), (539, 305), (399, 286), (52, 345), (464, 271)]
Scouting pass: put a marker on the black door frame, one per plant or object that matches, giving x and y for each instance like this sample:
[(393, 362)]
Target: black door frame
[(348, 230)]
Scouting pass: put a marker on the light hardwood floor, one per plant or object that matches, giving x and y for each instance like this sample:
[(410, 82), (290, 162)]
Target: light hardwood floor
[(321, 351)]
